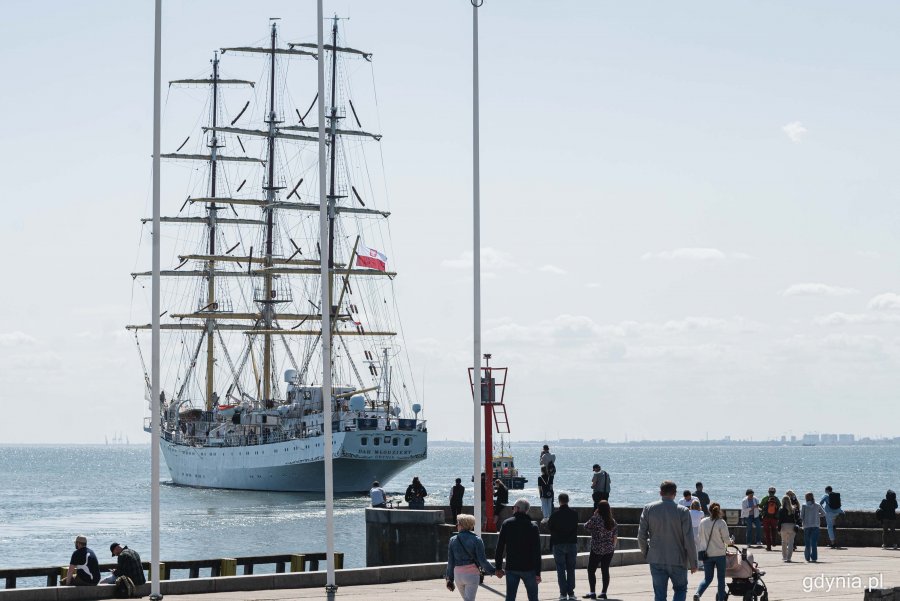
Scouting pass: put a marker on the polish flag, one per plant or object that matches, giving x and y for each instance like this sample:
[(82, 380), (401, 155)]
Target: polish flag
[(369, 257)]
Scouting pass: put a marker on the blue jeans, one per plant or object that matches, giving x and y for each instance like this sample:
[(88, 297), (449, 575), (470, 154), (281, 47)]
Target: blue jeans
[(661, 574), (565, 567), (811, 543), (710, 565), (529, 578), (546, 507), (829, 523), (753, 524)]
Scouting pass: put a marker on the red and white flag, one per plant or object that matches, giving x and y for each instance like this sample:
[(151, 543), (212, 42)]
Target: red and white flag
[(371, 258)]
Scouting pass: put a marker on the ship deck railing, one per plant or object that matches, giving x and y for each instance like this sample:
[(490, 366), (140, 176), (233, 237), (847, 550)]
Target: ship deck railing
[(242, 440)]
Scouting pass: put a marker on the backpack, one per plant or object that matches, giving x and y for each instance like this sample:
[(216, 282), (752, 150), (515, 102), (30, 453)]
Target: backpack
[(772, 506), (124, 588), (834, 500), (551, 468)]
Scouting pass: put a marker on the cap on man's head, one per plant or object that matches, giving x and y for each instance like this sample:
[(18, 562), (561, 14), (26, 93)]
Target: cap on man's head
[(112, 549), (596, 466), (546, 447), (771, 489), (81, 539)]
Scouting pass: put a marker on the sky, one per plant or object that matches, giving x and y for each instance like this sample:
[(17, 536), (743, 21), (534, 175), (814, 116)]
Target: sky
[(689, 212)]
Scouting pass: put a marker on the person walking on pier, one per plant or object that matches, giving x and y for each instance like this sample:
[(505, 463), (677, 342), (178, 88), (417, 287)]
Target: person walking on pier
[(750, 513), (520, 541), (415, 494), (787, 526), (769, 507), (456, 498), (714, 540), (563, 541), (600, 485), (545, 492), (666, 539), (888, 512), (604, 535), (84, 569), (811, 515), (466, 558), (831, 503)]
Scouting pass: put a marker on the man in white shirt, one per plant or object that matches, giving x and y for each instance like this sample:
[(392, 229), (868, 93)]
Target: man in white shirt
[(377, 495)]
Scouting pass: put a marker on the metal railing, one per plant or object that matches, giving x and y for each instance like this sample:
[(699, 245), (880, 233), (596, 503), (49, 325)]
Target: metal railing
[(296, 562)]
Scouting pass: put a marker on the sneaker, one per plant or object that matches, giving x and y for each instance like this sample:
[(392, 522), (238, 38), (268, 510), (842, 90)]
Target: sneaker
[(590, 596), (602, 596), (884, 546), (572, 597), (563, 598), (696, 597)]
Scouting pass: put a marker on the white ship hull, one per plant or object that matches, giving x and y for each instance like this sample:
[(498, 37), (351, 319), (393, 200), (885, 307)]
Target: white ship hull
[(297, 465)]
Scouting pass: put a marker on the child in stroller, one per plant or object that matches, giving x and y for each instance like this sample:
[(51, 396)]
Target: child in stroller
[(746, 578)]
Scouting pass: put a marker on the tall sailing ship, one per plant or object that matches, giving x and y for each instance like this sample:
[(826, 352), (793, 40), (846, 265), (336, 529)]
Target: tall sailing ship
[(242, 402)]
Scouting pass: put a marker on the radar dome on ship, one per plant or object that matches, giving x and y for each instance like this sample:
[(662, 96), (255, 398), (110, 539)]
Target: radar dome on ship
[(290, 376), (395, 410), (416, 407), (357, 402)]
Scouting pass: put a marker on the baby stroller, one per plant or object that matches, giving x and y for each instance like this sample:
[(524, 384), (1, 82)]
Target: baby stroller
[(746, 578)]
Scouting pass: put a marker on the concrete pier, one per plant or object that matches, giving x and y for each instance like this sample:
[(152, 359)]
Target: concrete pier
[(831, 579)]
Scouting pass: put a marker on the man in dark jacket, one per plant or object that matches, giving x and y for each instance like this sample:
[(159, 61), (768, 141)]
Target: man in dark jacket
[(521, 541), (129, 564), (563, 538), (456, 498)]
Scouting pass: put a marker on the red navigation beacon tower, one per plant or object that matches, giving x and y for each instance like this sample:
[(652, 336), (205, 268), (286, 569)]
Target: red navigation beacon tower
[(493, 389)]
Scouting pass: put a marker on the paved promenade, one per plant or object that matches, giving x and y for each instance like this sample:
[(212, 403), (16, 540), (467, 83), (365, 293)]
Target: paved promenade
[(832, 578)]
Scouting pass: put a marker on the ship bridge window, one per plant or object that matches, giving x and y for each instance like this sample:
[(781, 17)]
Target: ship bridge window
[(364, 441), (377, 441), (396, 441), (406, 442), (387, 439)]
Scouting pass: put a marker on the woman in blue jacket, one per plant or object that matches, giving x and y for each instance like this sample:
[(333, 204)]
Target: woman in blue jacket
[(465, 556)]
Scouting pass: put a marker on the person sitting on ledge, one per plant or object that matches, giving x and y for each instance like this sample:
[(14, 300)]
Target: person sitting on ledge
[(84, 570)]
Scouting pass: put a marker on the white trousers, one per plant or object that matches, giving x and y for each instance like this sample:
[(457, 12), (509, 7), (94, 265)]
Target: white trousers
[(466, 584)]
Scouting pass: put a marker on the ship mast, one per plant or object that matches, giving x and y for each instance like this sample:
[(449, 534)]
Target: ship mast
[(211, 279), (332, 197), (268, 302)]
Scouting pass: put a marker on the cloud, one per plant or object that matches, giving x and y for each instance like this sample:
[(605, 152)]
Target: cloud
[(593, 285), (889, 301), (851, 319), (16, 339), (795, 131), (694, 254), (869, 254), (552, 269), (491, 259), (817, 289)]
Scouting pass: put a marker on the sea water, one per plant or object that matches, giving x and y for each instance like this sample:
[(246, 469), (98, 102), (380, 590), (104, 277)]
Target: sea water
[(50, 494)]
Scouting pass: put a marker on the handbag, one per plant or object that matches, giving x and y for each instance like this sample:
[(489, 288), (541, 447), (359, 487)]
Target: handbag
[(702, 554)]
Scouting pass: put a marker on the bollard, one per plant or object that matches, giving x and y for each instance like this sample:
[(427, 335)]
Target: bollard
[(163, 571), (298, 562), (62, 575), (228, 567)]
